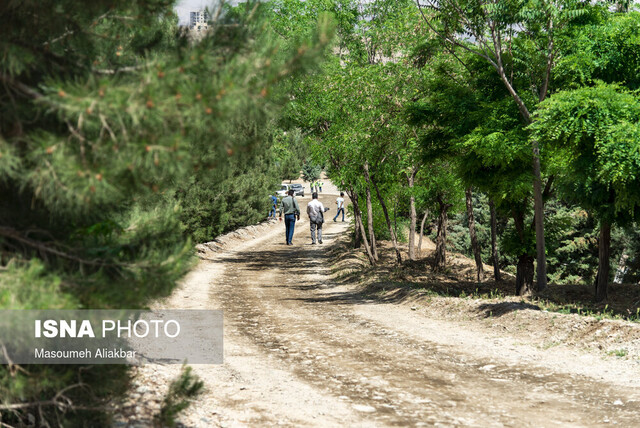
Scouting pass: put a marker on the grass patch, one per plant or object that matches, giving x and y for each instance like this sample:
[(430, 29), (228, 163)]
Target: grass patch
[(620, 353)]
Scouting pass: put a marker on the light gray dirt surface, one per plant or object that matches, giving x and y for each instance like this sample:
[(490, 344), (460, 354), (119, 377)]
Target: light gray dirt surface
[(302, 351)]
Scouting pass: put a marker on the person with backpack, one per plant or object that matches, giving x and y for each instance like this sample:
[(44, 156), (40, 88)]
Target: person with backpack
[(316, 211), (291, 210)]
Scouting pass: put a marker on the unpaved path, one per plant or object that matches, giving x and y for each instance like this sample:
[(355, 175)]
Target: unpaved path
[(301, 351)]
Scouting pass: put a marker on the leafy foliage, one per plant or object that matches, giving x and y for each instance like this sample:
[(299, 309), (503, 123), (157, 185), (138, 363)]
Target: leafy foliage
[(595, 130), (606, 49), (114, 126)]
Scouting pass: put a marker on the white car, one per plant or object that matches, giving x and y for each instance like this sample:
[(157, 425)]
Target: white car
[(283, 190)]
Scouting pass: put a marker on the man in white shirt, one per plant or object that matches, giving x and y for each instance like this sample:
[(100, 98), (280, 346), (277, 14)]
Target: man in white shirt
[(316, 210), (340, 204)]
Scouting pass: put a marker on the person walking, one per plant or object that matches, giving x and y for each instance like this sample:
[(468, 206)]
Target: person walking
[(274, 205), (320, 184), (314, 184), (315, 211), (340, 204), (291, 210)]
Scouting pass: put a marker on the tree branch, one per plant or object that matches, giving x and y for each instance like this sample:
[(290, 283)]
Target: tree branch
[(11, 233), (550, 56), (20, 86), (547, 187), (128, 69), (452, 40)]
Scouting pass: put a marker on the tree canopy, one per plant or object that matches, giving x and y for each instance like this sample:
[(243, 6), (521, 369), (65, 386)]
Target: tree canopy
[(114, 125)]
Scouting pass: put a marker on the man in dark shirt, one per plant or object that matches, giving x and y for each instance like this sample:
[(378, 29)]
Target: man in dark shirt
[(291, 210)]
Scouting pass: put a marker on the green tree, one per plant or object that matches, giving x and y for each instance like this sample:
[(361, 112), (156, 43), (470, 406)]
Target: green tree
[(444, 195), (469, 121), (356, 111), (368, 127), (520, 41), (105, 111), (459, 98), (290, 149), (596, 132), (311, 171)]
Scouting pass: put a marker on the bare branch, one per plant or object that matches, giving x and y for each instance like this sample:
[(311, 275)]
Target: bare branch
[(451, 40), (57, 39), (65, 406), (75, 132), (550, 57), (128, 69), (106, 126), (13, 368)]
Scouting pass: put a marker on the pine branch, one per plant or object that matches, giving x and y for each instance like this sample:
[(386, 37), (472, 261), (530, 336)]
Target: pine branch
[(27, 90), (11, 233), (128, 69), (20, 86), (70, 32)]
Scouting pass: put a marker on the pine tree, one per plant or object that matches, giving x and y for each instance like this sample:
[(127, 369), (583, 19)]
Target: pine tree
[(105, 110), (311, 171)]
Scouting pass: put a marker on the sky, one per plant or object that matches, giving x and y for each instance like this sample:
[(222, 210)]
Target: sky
[(183, 7)]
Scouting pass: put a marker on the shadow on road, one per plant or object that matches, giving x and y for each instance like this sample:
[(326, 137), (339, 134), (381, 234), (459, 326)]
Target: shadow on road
[(502, 308)]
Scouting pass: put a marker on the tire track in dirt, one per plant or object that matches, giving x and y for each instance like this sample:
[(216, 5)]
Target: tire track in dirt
[(280, 302), (299, 350)]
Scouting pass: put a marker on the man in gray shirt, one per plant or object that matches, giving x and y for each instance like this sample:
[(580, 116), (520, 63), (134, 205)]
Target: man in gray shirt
[(315, 211), (291, 210)]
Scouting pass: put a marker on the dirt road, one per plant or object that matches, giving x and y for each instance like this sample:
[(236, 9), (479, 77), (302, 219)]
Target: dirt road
[(300, 350)]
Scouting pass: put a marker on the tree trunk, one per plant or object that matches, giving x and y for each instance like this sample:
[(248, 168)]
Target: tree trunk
[(539, 219), (538, 202), (357, 241), (524, 268), (472, 234), (524, 275), (604, 253), (372, 236), (424, 219), (412, 222), (359, 226), (494, 244), (622, 6), (441, 239), (367, 248), (412, 228), (394, 241), (395, 215)]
